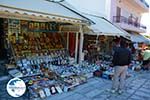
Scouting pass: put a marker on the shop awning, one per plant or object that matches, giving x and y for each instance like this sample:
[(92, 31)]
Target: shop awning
[(138, 38), (41, 10), (104, 27)]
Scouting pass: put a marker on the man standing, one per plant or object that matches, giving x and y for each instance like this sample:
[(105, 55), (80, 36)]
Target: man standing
[(121, 60)]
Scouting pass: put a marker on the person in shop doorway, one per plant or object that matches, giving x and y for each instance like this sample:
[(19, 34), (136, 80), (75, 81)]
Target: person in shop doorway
[(121, 60), (146, 59)]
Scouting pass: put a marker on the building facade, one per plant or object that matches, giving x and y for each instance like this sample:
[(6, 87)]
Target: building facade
[(127, 14)]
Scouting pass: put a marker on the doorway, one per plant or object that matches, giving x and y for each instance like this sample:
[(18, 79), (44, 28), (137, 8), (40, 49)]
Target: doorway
[(2, 39)]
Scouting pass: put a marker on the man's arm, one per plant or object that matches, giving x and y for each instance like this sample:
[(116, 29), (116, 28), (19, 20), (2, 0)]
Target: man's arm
[(115, 56), (130, 57)]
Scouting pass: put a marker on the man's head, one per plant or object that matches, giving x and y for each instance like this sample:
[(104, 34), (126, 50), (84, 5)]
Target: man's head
[(123, 44), (117, 40)]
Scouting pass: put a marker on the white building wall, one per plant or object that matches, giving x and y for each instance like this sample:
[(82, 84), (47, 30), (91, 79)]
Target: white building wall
[(97, 7), (110, 9)]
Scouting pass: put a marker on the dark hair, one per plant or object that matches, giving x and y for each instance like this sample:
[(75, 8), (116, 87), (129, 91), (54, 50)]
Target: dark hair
[(117, 40), (123, 44)]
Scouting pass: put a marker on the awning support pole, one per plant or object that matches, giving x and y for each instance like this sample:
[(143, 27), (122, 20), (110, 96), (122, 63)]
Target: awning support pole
[(76, 47), (68, 41), (81, 44)]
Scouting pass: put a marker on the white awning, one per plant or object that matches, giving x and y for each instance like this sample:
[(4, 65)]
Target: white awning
[(40, 9), (138, 38), (104, 27)]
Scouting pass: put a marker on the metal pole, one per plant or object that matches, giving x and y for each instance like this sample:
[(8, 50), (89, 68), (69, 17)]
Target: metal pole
[(76, 47), (68, 41), (81, 44)]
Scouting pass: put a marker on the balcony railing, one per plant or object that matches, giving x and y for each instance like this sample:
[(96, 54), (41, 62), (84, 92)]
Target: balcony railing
[(143, 1), (129, 21)]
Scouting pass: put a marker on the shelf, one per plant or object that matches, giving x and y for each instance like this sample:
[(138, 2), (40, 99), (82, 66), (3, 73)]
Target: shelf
[(42, 31)]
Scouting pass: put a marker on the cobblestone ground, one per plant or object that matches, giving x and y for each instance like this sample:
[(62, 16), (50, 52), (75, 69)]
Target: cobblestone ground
[(137, 88)]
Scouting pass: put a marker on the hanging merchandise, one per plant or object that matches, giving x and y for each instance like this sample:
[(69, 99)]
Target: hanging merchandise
[(97, 48)]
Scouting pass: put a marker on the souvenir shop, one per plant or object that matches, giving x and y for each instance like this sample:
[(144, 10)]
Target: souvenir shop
[(99, 43), (98, 50), (138, 43), (52, 53), (100, 39), (40, 49), (39, 55), (98, 47)]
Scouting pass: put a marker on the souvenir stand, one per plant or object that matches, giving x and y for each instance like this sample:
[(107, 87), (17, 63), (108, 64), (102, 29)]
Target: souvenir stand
[(97, 47), (99, 42), (37, 42), (42, 59), (98, 50), (139, 42)]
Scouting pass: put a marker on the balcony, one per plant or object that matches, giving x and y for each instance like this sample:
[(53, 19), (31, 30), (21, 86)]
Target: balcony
[(129, 24)]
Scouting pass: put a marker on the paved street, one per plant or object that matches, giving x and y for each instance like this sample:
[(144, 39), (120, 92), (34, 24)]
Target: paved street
[(137, 88)]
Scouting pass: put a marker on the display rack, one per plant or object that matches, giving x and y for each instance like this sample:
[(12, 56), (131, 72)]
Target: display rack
[(42, 60), (33, 43), (33, 38)]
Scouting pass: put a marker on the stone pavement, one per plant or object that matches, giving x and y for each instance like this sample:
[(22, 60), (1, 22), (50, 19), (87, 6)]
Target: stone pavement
[(137, 88)]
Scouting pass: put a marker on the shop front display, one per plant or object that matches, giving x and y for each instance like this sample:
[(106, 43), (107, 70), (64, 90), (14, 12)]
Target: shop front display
[(54, 78), (105, 70), (98, 48), (34, 39), (42, 87), (42, 60), (39, 52), (36, 46)]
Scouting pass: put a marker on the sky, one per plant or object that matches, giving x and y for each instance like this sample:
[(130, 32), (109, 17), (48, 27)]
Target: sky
[(91, 6), (94, 7), (146, 19)]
